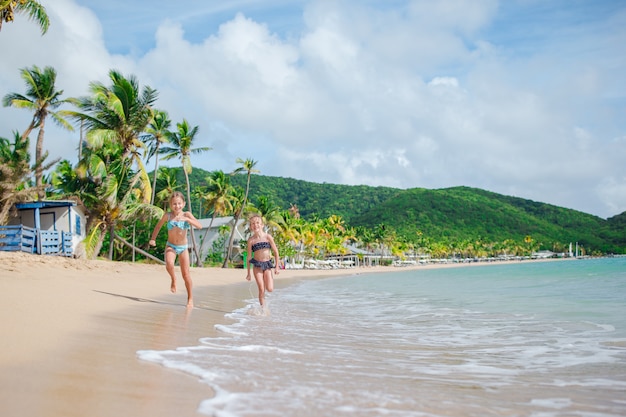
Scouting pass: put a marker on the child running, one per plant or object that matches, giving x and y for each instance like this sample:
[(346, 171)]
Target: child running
[(260, 245), (178, 222)]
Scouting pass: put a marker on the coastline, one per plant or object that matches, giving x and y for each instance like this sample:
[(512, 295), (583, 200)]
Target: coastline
[(71, 329)]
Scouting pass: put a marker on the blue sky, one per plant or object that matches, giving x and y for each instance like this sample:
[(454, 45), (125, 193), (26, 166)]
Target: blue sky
[(520, 97)]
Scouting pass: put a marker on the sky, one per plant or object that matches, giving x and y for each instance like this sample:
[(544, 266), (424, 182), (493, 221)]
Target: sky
[(525, 98)]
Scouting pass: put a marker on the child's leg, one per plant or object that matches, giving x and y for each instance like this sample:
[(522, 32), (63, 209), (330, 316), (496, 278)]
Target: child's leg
[(170, 259), (183, 259), (258, 276), (268, 279)]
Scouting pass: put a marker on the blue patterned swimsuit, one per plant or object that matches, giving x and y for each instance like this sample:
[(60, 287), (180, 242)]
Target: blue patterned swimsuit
[(264, 265), (181, 224)]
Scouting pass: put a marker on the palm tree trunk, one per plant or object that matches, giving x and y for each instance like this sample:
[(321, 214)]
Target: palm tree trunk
[(144, 253), (206, 234), (29, 129), (80, 141), (231, 239), (111, 240), (41, 193), (156, 170), (229, 250), (194, 246), (245, 198)]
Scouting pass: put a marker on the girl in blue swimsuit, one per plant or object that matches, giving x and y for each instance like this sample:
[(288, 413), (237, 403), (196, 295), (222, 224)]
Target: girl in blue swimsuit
[(178, 222), (260, 248)]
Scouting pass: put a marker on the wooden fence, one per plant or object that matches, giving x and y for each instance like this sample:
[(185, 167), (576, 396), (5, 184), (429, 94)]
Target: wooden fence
[(30, 240)]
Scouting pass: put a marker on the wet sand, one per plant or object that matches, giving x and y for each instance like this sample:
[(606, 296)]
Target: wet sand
[(71, 329)]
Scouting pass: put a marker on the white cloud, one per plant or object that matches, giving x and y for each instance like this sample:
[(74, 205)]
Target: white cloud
[(415, 95)]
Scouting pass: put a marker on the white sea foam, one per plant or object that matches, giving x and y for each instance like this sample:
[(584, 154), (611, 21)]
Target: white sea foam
[(501, 340), (552, 402), (267, 349), (230, 330)]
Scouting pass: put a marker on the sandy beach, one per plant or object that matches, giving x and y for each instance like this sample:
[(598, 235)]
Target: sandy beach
[(71, 329)]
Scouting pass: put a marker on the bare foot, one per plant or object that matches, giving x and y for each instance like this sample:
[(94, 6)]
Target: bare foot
[(173, 287), (190, 304)]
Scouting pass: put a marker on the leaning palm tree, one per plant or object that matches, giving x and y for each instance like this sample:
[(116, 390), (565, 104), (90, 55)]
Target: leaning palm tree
[(236, 198), (43, 99), (157, 134), (248, 166), (33, 9), (181, 146)]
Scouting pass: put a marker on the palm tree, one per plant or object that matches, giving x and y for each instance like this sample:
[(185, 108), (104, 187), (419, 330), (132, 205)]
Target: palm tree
[(168, 181), (157, 134), (181, 142), (119, 113), (14, 174), (112, 193), (42, 98), (248, 166), (236, 197), (33, 9), (217, 198), (270, 212)]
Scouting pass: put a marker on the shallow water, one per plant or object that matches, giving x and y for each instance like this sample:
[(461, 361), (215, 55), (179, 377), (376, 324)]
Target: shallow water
[(528, 339)]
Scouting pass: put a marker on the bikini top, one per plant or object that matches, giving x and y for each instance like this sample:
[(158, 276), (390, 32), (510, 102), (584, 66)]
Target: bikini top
[(181, 224), (260, 245)]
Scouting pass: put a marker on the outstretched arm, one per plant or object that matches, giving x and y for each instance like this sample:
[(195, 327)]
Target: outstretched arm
[(157, 229)]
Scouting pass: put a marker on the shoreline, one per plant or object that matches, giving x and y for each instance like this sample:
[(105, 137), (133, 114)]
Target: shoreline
[(71, 329)]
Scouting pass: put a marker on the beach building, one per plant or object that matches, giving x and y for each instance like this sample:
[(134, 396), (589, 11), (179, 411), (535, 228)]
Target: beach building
[(215, 237), (45, 227)]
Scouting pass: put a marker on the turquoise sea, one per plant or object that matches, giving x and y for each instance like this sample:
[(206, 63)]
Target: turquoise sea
[(540, 339)]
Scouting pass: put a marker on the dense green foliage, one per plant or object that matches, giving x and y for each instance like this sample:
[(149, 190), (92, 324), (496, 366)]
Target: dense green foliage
[(451, 214), (461, 213), (318, 200), (123, 131)]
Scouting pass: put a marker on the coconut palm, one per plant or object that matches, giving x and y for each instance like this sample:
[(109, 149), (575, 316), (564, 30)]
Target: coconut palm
[(118, 113), (181, 147), (14, 174), (168, 183), (157, 134), (270, 212), (217, 199), (236, 197), (289, 238), (248, 166), (42, 98), (113, 195), (33, 9)]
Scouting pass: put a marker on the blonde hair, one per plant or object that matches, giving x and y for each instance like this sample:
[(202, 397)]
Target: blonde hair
[(177, 194), (255, 215)]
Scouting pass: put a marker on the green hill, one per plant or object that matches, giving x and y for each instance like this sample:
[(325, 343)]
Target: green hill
[(449, 214), (462, 213)]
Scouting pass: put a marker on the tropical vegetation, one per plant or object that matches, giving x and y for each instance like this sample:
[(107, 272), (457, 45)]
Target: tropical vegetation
[(124, 130), (33, 9)]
